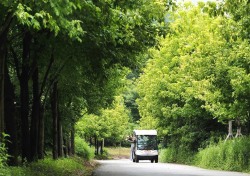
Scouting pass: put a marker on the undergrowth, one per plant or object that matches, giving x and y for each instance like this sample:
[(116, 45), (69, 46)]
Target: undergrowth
[(176, 155), (3, 155), (233, 155), (82, 149), (48, 167)]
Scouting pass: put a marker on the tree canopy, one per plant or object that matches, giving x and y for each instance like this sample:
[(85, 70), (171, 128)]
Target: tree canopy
[(62, 58), (96, 68), (199, 72)]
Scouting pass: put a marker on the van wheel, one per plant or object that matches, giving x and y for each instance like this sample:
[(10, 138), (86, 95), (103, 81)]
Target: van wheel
[(152, 161), (156, 159), (136, 159)]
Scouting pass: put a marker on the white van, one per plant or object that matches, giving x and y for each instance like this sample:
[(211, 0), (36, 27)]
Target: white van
[(145, 146)]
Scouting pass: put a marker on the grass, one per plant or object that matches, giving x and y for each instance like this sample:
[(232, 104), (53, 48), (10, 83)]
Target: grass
[(176, 155), (233, 155), (73, 166), (118, 152)]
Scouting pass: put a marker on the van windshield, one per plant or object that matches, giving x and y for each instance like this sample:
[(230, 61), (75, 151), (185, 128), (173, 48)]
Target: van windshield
[(146, 142)]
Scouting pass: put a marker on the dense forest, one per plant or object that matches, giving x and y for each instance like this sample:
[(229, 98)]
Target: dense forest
[(94, 70), (63, 59), (196, 82)]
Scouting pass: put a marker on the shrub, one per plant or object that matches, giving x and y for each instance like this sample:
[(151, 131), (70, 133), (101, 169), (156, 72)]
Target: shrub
[(103, 156), (49, 167), (64, 166), (4, 171), (167, 155), (82, 149), (234, 154), (3, 151), (176, 155), (70, 166), (18, 171), (3, 156)]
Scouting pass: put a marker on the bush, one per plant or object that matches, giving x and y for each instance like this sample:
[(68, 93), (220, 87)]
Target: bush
[(4, 171), (82, 149), (176, 155), (234, 154), (3, 156), (50, 167), (17, 171), (64, 166), (3, 151), (103, 156)]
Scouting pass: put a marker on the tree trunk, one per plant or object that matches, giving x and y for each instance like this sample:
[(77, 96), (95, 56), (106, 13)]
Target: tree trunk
[(24, 98), (69, 145), (60, 132), (72, 140), (102, 146), (238, 134), (41, 134), (10, 120), (4, 29), (55, 120), (96, 146), (230, 130), (35, 114), (24, 103), (90, 141), (2, 65), (60, 139), (41, 114), (65, 147)]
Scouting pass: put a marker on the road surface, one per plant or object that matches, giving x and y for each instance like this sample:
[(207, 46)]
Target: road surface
[(125, 167)]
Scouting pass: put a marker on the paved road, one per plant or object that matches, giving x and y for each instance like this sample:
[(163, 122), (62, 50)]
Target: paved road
[(145, 168)]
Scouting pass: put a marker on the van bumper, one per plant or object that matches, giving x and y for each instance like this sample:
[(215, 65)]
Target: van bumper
[(147, 157)]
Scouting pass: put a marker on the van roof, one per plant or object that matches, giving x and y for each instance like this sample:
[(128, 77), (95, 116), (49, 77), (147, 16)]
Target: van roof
[(145, 132)]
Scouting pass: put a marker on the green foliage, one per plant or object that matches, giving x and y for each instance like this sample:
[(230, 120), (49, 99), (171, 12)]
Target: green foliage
[(112, 124), (176, 155), (3, 155), (234, 154), (103, 156), (130, 94), (118, 120), (238, 10), (83, 149), (47, 15), (17, 171), (83, 47), (50, 167), (61, 166), (197, 79), (168, 87), (3, 151)]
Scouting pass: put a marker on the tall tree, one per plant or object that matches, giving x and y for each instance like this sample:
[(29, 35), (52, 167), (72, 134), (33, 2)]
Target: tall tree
[(174, 80), (10, 119), (54, 109), (4, 28), (91, 40)]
